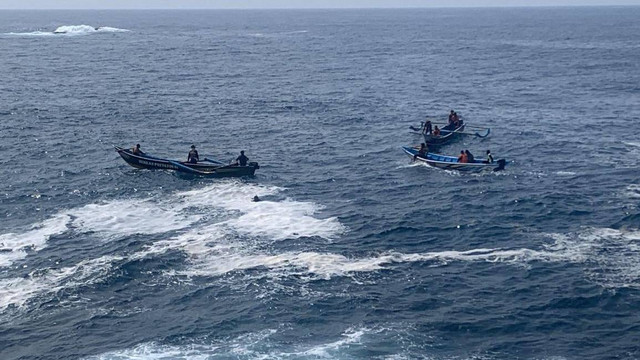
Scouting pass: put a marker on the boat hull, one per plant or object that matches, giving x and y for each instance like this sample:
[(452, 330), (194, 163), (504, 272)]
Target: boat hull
[(203, 169), (446, 136), (451, 162)]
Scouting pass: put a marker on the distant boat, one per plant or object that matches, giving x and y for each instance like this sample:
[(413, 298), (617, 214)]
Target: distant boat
[(451, 162), (209, 168)]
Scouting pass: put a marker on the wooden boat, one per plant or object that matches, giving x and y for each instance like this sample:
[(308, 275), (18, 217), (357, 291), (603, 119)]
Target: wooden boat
[(448, 133), (210, 168), (451, 162)]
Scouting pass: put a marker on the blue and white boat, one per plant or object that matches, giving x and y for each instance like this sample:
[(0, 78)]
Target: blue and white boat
[(451, 162)]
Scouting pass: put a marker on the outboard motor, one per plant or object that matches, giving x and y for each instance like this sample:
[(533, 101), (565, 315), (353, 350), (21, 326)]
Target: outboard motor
[(501, 165), (254, 164)]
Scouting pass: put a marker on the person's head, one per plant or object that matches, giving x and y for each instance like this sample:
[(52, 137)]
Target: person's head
[(423, 145), (466, 152), (452, 112), (242, 152), (193, 147), (137, 146), (488, 151), (436, 126), (461, 151)]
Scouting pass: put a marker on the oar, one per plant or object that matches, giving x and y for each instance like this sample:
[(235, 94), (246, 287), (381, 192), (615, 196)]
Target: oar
[(485, 135), (190, 170), (416, 129), (476, 133), (213, 161), (476, 127)]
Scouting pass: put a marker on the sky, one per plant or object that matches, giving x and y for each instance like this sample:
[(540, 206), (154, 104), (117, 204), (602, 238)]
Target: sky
[(279, 4)]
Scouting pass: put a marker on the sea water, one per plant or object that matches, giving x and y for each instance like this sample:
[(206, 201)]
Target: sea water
[(354, 252)]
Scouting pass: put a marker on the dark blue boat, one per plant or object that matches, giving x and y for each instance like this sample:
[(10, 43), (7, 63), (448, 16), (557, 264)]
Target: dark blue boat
[(207, 167)]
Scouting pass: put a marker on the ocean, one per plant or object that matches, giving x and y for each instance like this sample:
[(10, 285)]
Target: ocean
[(354, 252)]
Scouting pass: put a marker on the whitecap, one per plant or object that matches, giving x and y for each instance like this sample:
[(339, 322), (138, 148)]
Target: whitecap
[(128, 217), (71, 30), (18, 291), (15, 246)]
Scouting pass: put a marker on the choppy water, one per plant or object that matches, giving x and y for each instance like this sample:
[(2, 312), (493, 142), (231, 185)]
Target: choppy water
[(354, 252)]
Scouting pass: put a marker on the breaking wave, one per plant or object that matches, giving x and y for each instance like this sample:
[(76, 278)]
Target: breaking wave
[(70, 30)]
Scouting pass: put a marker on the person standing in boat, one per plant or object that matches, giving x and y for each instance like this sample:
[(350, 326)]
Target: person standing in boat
[(242, 159), (463, 157), (489, 158), (436, 131), (451, 115), (136, 150), (193, 157), (422, 152), (427, 130)]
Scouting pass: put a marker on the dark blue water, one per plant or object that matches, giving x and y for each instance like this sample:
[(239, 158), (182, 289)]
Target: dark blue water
[(355, 253)]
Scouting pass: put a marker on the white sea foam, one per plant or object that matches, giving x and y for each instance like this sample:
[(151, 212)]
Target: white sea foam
[(257, 345), (71, 30), (18, 291), (610, 257), (565, 173), (632, 191), (15, 246), (276, 220), (128, 217)]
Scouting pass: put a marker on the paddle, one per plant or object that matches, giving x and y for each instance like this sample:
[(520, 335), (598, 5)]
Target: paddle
[(213, 161), (190, 170), (417, 129), (476, 127)]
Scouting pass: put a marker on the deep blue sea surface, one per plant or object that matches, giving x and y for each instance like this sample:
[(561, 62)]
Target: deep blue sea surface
[(354, 252)]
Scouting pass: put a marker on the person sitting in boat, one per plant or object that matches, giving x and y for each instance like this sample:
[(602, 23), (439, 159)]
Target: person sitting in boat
[(489, 158), (456, 120), (242, 159), (436, 131), (422, 152), (193, 157), (463, 157), (470, 157), (427, 128), (451, 114), (136, 150)]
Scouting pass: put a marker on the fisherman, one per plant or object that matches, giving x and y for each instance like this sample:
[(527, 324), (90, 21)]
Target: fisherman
[(256, 198), (422, 152), (470, 157), (242, 159), (193, 157), (456, 120), (463, 157), (451, 115), (427, 128), (136, 150), (436, 131), (489, 158)]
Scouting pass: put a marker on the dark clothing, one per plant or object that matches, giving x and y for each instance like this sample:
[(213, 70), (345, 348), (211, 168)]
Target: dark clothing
[(242, 160), (193, 156), (470, 157), (421, 153), (427, 128)]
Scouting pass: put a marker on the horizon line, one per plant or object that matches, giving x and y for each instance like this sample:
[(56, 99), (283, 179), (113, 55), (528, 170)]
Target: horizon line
[(340, 8)]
